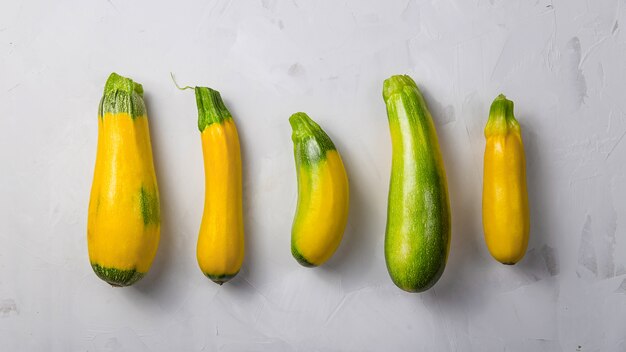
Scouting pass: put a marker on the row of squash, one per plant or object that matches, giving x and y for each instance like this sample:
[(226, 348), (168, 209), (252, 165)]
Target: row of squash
[(124, 211)]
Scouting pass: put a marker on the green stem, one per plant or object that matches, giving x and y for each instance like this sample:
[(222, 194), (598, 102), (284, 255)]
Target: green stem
[(501, 117), (211, 108), (122, 95)]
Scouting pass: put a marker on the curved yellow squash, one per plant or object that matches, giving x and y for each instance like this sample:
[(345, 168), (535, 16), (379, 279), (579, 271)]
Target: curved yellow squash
[(506, 219), (323, 195), (220, 249), (123, 222)]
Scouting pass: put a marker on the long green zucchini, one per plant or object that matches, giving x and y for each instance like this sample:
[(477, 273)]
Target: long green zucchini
[(417, 239)]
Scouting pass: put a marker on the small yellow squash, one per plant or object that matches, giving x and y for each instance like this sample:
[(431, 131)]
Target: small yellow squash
[(220, 249), (323, 195), (506, 220)]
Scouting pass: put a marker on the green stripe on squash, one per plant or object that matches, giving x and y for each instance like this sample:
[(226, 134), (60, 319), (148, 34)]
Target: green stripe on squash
[(149, 204)]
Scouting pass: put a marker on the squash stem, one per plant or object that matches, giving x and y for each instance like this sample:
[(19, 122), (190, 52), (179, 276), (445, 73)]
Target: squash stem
[(501, 117), (211, 108), (176, 84)]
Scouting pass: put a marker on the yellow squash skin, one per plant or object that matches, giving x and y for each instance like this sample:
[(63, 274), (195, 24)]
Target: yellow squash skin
[(220, 249), (123, 224), (323, 194), (506, 220)]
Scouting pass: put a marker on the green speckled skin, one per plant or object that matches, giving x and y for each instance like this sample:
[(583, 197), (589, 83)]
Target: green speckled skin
[(417, 238), (117, 277), (149, 203)]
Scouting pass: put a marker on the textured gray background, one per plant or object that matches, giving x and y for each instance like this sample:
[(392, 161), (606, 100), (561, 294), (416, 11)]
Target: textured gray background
[(561, 61)]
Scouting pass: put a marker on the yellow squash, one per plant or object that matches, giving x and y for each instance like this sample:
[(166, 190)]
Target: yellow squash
[(220, 249), (323, 199), (505, 199), (123, 223)]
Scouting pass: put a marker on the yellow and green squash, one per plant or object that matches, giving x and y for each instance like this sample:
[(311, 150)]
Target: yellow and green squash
[(323, 194), (123, 223), (220, 250), (417, 239), (506, 220)]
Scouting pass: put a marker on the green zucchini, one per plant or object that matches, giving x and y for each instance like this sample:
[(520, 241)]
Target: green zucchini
[(417, 238)]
